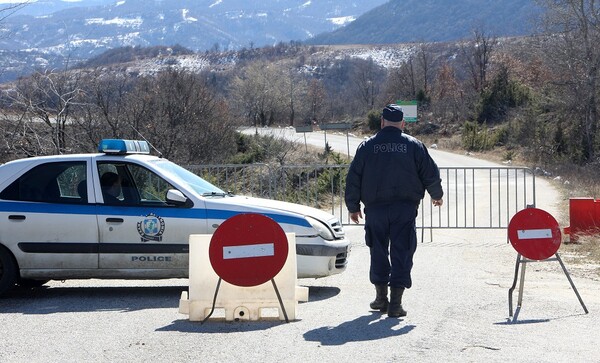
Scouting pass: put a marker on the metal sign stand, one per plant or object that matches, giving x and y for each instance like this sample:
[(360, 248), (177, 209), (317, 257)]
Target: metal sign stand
[(214, 302), (304, 130), (524, 261), (337, 126)]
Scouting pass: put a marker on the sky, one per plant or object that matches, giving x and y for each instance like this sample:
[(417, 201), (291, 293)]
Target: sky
[(33, 1)]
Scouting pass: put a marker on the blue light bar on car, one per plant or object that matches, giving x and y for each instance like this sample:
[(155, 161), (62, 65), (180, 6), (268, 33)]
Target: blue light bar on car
[(122, 147)]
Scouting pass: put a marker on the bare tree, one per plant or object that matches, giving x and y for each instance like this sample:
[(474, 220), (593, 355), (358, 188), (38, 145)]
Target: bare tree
[(424, 60), (403, 82), (181, 116), (577, 57), (9, 9), (103, 112), (258, 94), (338, 82), (368, 78), (477, 54), (412, 78), (46, 99), (295, 91), (317, 101), (448, 97)]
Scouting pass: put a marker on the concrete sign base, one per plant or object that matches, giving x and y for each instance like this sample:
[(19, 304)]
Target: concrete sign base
[(234, 302)]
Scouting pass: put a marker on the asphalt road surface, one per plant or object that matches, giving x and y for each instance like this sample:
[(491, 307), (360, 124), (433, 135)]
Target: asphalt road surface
[(457, 312)]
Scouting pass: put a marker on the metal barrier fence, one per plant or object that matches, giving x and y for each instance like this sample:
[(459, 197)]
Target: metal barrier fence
[(474, 197), (479, 198)]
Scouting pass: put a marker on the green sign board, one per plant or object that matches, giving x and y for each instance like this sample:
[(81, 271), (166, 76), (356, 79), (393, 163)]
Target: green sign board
[(410, 110)]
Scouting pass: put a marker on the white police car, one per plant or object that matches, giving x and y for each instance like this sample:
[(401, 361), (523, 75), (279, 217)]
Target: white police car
[(123, 213)]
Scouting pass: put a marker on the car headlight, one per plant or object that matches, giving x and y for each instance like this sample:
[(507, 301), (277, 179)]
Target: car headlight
[(321, 228)]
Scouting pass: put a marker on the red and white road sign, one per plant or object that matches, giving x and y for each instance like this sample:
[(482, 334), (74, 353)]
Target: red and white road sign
[(534, 233), (248, 249)]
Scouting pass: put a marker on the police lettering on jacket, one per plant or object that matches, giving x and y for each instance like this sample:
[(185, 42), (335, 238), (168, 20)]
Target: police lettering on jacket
[(390, 148)]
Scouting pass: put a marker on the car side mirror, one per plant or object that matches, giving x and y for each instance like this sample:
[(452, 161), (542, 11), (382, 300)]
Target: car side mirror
[(175, 197)]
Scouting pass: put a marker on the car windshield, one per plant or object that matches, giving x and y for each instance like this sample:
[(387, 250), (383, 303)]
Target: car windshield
[(195, 182)]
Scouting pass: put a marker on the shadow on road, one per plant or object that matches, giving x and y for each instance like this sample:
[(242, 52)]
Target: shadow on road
[(515, 319), (318, 293), (368, 327), (44, 300), (371, 327), (50, 300), (220, 326)]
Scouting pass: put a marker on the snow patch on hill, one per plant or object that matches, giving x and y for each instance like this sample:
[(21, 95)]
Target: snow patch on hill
[(384, 56), (121, 22)]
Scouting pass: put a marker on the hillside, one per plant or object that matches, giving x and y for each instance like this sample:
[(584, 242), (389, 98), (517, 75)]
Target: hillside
[(400, 21), (52, 34)]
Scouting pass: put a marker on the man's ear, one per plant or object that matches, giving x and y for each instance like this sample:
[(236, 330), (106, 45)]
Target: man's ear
[(402, 124)]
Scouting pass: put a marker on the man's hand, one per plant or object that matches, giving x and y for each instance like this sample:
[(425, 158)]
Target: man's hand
[(355, 216), (437, 202)]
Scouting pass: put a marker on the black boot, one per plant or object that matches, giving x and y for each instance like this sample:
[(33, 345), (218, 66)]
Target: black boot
[(395, 307), (381, 300)]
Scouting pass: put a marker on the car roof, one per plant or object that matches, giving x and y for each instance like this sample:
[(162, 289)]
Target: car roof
[(18, 164), (80, 156)]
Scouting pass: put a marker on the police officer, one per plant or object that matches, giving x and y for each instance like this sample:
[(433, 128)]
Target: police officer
[(111, 187), (389, 175)]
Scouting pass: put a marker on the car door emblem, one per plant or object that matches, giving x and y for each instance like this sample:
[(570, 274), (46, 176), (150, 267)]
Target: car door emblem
[(151, 228)]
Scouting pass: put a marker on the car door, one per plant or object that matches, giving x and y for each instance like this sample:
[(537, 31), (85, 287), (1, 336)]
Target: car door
[(139, 230), (46, 221)]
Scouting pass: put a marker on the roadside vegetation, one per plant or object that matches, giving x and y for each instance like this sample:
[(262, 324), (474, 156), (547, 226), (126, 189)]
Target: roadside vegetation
[(530, 100)]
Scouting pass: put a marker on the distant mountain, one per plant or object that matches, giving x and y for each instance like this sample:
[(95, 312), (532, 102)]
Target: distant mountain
[(401, 21), (195, 24), (45, 7), (56, 33), (48, 32)]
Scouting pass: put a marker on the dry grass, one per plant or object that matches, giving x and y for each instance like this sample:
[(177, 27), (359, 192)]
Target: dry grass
[(583, 258)]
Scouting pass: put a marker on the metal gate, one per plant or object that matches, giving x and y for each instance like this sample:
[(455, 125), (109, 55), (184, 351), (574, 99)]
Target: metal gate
[(474, 197)]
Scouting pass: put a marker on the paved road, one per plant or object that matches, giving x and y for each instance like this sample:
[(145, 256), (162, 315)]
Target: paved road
[(458, 312), (347, 144)]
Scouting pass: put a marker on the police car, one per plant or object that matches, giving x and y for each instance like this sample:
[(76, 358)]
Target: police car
[(123, 213)]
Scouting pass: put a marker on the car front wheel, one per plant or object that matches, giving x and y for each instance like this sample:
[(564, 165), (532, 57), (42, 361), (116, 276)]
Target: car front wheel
[(8, 271)]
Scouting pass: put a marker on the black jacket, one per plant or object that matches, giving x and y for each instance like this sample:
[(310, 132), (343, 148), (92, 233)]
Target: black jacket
[(391, 166)]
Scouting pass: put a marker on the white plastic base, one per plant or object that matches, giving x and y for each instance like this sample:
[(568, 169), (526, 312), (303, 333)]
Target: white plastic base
[(235, 302)]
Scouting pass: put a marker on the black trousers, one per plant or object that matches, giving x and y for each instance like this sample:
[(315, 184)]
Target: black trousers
[(391, 236)]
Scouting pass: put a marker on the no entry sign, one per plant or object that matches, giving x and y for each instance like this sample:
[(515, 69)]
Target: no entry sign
[(248, 249), (534, 233)]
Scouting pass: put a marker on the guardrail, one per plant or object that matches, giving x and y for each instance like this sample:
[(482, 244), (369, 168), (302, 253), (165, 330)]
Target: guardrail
[(474, 197)]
